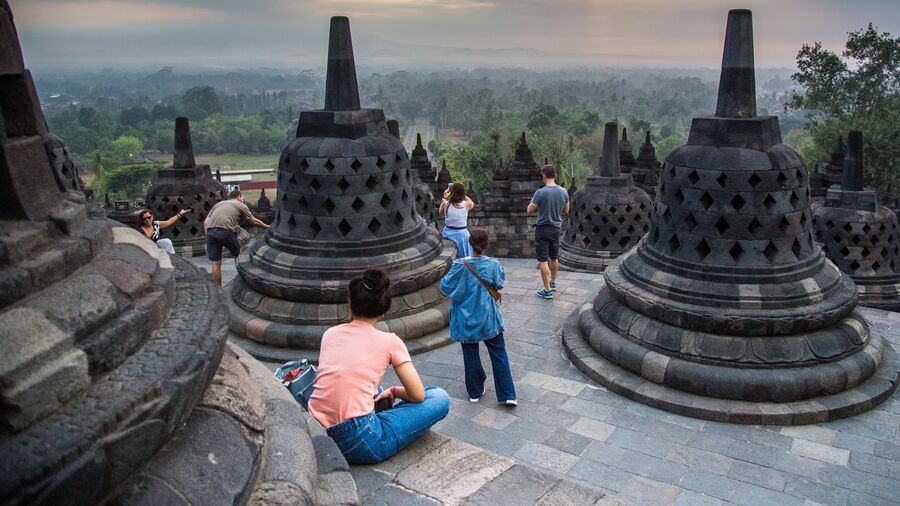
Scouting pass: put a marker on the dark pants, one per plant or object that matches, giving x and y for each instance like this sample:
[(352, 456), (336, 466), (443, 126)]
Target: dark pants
[(216, 238), (546, 242), (475, 375)]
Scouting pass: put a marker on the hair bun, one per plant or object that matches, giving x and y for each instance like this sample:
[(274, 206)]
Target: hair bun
[(375, 280)]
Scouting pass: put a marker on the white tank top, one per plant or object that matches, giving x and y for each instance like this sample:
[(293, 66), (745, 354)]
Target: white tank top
[(456, 216)]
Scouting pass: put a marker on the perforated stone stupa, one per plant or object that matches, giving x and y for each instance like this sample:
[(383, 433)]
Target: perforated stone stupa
[(345, 204), (728, 310), (185, 185), (427, 201), (646, 168), (116, 383), (607, 217), (626, 153), (830, 173), (861, 237)]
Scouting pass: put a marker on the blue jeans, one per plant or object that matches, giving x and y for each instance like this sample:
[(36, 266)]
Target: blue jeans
[(376, 437), (475, 375)]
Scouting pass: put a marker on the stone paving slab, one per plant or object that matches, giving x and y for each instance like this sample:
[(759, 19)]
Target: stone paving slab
[(844, 462)]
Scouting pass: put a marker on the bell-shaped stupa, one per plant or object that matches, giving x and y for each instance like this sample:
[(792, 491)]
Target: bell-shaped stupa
[(345, 204), (860, 236), (607, 217), (727, 309), (830, 173), (426, 201), (646, 168), (185, 185)]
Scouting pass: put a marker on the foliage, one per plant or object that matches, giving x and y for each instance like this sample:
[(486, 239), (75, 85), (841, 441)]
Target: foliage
[(200, 102), (130, 181), (859, 90), (126, 148)]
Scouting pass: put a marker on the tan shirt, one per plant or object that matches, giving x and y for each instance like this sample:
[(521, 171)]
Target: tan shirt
[(226, 214)]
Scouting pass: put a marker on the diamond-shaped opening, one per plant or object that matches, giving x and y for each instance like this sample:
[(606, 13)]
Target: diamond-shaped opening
[(304, 164), (315, 184), (404, 196), (736, 252), (292, 180), (890, 239), (398, 218), (371, 182), (580, 228), (176, 232), (865, 252), (343, 184), (344, 227), (624, 241), (706, 201), (655, 235), (604, 219), (329, 165), (604, 242), (722, 225), (356, 165), (738, 202), (291, 222), (586, 241), (674, 243), (829, 224), (679, 197), (754, 227), (769, 202), (642, 206), (845, 251), (595, 230), (165, 200), (385, 201), (781, 178), (702, 249), (754, 180), (693, 177), (799, 176), (394, 179), (794, 198), (848, 227), (583, 206), (613, 230), (358, 204), (672, 172), (628, 209), (380, 163), (866, 228), (881, 227), (855, 240), (198, 197), (854, 265), (180, 200), (597, 209), (314, 226), (630, 229), (796, 248), (621, 219), (207, 206), (612, 210), (784, 224), (374, 225), (328, 205), (803, 220), (722, 180), (690, 222), (302, 202), (876, 265), (770, 252)]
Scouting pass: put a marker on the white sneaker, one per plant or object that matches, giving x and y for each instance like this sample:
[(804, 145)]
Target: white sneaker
[(511, 402), (476, 399)]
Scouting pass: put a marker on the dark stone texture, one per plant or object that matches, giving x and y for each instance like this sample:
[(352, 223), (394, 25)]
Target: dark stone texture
[(828, 174), (727, 309), (346, 203)]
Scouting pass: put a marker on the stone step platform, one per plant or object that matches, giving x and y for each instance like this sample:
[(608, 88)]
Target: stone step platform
[(436, 469), (848, 403)]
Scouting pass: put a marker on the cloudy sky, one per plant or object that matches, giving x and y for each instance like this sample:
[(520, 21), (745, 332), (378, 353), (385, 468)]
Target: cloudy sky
[(293, 33)]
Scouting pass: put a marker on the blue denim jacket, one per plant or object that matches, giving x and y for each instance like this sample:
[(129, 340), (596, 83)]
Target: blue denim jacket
[(474, 315)]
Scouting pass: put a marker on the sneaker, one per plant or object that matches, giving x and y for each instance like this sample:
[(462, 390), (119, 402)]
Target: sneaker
[(476, 399), (510, 402), (545, 294), (552, 286)]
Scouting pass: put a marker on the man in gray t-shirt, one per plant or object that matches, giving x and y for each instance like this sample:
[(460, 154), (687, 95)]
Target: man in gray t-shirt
[(549, 203), (221, 227)]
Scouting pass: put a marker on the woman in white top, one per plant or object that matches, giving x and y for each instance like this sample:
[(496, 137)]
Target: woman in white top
[(454, 209)]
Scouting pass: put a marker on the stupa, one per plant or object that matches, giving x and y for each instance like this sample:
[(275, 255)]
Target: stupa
[(626, 153), (345, 204), (524, 176), (116, 383), (830, 173), (426, 201), (646, 168), (607, 217), (185, 185), (727, 309), (422, 168), (861, 237)]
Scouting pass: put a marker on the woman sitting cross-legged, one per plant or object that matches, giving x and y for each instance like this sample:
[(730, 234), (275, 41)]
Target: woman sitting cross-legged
[(150, 227), (352, 360), (475, 317)]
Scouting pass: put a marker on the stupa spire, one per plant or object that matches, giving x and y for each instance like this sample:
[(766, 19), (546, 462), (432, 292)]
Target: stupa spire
[(609, 164), (737, 82), (852, 179), (419, 141), (184, 148), (341, 88)]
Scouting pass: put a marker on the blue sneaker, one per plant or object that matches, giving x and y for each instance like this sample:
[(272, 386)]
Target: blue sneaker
[(545, 294), (552, 286)]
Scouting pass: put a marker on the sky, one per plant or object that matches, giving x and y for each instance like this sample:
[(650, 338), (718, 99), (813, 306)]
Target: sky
[(92, 34)]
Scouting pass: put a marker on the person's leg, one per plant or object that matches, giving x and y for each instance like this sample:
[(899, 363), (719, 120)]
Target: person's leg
[(217, 272), (214, 253), (474, 371), (408, 420), (553, 253), (166, 245), (542, 251), (553, 270), (503, 382)]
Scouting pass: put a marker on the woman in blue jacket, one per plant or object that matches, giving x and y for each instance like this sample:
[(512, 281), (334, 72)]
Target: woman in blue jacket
[(475, 317)]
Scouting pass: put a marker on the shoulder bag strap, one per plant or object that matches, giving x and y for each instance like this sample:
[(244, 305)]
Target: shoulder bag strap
[(493, 291)]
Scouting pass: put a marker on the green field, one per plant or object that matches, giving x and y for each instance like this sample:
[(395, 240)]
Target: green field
[(237, 161)]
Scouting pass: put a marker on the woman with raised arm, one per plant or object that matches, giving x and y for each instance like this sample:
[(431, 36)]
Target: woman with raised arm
[(455, 207), (352, 360), (150, 228)]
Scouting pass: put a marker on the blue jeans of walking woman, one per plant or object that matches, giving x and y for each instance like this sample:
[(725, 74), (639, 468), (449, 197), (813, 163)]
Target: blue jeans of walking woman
[(475, 375), (376, 437)]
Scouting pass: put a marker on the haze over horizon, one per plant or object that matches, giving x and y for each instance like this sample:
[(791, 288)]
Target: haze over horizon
[(94, 34)]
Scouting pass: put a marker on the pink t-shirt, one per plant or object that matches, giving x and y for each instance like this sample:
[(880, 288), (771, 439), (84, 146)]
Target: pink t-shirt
[(352, 361)]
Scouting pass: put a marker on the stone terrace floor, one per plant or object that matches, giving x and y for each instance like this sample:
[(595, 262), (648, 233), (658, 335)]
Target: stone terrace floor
[(566, 427)]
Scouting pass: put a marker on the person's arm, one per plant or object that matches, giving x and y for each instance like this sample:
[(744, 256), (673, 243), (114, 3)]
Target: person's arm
[(412, 389), (469, 203), (252, 219), (535, 202), (171, 221), (532, 208), (259, 223), (443, 209), (566, 208)]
